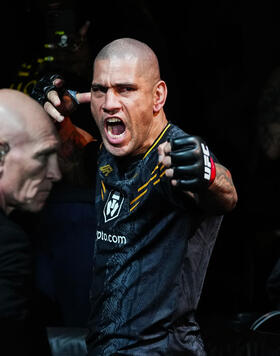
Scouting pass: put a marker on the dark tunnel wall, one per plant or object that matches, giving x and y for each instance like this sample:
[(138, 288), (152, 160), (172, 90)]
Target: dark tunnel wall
[(215, 57)]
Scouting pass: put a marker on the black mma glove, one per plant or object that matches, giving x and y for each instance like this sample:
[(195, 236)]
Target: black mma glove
[(194, 168)]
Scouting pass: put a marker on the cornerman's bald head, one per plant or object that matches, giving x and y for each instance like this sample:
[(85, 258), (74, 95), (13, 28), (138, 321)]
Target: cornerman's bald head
[(28, 153), (129, 48), (20, 116)]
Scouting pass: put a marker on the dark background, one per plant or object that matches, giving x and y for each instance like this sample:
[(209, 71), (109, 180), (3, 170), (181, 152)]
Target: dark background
[(215, 57)]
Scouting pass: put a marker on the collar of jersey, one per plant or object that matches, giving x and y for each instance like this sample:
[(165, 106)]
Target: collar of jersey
[(157, 140)]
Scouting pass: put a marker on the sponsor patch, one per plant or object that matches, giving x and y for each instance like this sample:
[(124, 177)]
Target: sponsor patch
[(113, 206)]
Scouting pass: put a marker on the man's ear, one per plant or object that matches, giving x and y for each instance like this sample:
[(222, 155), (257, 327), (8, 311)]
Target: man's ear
[(160, 94), (4, 149)]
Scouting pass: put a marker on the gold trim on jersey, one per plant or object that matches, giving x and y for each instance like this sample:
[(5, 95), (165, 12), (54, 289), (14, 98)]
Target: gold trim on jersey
[(145, 185), (158, 174), (103, 189), (155, 173), (134, 206), (138, 197), (157, 141)]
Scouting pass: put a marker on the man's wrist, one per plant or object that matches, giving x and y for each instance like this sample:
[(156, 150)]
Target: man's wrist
[(73, 94), (213, 171)]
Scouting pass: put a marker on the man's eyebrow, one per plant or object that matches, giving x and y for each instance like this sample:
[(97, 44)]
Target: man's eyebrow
[(97, 86), (47, 151), (124, 83), (129, 84), (115, 85)]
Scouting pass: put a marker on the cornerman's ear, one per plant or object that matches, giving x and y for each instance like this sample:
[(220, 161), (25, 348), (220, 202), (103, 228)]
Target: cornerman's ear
[(4, 149), (160, 94)]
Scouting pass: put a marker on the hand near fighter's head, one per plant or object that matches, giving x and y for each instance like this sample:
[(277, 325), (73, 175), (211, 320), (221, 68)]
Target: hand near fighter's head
[(58, 102)]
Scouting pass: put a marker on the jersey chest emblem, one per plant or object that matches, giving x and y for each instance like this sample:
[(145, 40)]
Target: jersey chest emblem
[(113, 205)]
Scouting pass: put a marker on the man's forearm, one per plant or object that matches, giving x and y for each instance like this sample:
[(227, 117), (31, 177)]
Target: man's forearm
[(221, 195)]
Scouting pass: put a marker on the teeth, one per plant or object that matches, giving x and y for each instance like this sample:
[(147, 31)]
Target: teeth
[(113, 119)]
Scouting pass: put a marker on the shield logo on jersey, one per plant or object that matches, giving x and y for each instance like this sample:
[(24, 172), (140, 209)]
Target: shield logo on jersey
[(113, 205)]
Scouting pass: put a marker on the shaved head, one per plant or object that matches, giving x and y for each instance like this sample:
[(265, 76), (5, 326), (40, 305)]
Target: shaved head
[(129, 48), (20, 116)]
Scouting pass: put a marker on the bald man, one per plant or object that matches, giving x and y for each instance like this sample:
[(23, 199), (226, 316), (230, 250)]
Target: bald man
[(28, 169), (160, 196)]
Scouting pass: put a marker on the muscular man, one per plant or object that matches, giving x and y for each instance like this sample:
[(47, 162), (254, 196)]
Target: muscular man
[(160, 196), (28, 169)]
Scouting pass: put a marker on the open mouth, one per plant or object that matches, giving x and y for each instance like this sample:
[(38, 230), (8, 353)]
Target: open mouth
[(115, 127), (42, 195)]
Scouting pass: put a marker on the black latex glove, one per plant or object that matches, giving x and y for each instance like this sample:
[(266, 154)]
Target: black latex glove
[(68, 98), (43, 86)]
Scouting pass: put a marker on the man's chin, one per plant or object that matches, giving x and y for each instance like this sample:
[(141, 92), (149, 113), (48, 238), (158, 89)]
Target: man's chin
[(117, 151), (36, 206)]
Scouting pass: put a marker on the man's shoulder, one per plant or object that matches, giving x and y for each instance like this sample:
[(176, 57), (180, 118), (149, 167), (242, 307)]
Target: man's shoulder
[(175, 131), (6, 222), (11, 231)]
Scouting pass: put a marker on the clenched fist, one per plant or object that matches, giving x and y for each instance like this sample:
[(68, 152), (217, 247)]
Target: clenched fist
[(190, 165)]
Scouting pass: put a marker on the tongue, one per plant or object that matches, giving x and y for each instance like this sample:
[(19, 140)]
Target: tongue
[(117, 129)]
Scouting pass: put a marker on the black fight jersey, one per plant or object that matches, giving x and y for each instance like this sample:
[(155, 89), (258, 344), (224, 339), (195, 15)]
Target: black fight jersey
[(152, 249)]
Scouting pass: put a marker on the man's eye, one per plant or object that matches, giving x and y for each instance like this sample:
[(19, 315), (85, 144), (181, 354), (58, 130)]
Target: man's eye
[(125, 89), (98, 88), (42, 158)]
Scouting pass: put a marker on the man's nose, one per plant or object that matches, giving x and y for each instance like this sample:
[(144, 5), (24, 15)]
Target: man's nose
[(111, 103), (53, 170)]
